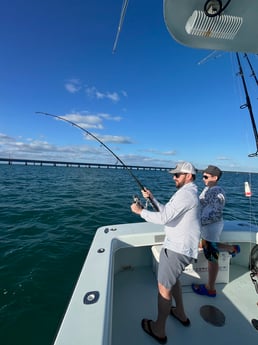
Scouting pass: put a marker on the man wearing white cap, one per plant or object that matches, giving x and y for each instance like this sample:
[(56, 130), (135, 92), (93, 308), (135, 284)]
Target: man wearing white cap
[(180, 217)]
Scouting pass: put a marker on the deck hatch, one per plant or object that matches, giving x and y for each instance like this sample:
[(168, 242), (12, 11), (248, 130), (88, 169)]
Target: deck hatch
[(212, 315)]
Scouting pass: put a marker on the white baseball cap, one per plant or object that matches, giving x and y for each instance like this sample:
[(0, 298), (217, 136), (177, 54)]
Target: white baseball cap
[(184, 167)]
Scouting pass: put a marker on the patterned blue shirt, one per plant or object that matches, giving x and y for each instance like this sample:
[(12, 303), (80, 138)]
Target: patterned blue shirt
[(212, 201)]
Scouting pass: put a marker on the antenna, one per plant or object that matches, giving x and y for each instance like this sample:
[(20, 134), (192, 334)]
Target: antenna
[(121, 21), (213, 55)]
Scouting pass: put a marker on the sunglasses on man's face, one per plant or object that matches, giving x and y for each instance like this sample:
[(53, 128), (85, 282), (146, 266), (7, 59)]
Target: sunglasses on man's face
[(177, 175), (205, 177)]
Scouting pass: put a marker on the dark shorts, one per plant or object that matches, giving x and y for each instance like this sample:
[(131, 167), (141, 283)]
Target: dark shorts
[(171, 266), (210, 250)]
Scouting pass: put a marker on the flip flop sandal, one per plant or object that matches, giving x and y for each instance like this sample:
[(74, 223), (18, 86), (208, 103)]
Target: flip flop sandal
[(235, 251), (146, 326), (202, 290)]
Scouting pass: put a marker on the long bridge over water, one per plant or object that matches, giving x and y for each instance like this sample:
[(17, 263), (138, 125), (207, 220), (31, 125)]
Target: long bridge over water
[(41, 162)]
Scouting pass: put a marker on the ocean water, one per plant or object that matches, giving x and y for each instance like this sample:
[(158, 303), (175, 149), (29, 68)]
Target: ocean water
[(48, 218)]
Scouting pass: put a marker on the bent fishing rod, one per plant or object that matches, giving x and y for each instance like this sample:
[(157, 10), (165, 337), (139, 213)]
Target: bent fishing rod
[(251, 68), (106, 147), (249, 106)]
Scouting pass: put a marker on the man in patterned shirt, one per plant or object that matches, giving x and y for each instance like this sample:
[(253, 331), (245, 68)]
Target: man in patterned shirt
[(212, 202)]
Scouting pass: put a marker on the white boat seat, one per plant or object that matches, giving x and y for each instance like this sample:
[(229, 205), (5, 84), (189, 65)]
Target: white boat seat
[(197, 272)]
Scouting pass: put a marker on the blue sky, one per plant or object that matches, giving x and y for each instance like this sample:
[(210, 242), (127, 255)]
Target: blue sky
[(152, 101)]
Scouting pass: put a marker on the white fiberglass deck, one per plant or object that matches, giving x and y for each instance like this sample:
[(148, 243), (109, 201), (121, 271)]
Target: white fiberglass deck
[(132, 302), (117, 288)]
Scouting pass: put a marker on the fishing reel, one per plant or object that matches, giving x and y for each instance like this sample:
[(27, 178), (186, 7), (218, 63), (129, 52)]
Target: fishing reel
[(137, 201)]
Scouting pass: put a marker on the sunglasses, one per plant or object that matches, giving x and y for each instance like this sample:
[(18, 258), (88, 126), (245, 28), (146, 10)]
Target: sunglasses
[(177, 175), (205, 177)]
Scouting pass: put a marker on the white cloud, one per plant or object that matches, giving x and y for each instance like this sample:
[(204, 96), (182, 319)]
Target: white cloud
[(90, 120), (223, 158), (111, 138), (112, 96), (109, 117), (163, 153), (73, 85), (41, 149), (5, 138), (37, 149), (124, 93), (96, 121), (85, 121)]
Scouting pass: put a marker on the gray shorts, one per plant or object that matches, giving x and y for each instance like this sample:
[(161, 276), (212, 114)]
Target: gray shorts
[(171, 266)]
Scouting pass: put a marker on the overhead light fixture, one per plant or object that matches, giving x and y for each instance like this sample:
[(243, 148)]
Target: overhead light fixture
[(220, 26)]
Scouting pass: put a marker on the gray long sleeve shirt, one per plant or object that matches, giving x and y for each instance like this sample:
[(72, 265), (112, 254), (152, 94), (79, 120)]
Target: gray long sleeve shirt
[(181, 218)]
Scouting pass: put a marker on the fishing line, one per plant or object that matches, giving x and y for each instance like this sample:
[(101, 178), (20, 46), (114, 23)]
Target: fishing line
[(106, 147)]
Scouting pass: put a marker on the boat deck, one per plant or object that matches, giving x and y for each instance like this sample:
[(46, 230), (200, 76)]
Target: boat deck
[(117, 288), (133, 302)]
